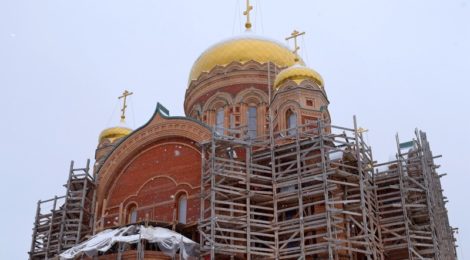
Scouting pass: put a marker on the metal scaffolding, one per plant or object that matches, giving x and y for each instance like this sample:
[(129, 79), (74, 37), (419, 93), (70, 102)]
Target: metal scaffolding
[(65, 221)]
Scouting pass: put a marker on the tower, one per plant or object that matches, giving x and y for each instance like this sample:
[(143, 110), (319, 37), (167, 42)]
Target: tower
[(299, 96)]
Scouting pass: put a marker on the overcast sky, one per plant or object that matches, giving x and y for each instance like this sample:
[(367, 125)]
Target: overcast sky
[(397, 65)]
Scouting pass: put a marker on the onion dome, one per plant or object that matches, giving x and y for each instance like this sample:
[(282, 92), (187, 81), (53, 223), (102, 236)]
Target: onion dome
[(121, 130), (297, 73), (114, 133), (243, 49)]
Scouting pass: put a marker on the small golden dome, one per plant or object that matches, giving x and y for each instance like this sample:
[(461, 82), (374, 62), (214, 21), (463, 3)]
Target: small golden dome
[(297, 73), (243, 49), (114, 133)]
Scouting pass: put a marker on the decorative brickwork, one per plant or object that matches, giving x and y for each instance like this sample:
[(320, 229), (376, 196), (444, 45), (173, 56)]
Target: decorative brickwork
[(149, 170)]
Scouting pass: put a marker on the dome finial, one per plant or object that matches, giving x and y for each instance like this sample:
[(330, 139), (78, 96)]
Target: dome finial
[(249, 8), (294, 36), (124, 96)]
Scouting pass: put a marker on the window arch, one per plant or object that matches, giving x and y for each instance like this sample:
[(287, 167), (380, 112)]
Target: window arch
[(132, 213), (291, 119), (182, 208)]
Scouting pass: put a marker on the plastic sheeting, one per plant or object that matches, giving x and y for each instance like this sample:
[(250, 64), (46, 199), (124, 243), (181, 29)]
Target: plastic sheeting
[(169, 242), (336, 155)]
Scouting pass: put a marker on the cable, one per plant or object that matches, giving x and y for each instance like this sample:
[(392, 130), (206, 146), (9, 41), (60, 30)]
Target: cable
[(305, 51), (112, 113), (133, 113)]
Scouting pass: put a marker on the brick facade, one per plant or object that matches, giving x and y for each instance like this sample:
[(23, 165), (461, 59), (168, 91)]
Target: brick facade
[(148, 171)]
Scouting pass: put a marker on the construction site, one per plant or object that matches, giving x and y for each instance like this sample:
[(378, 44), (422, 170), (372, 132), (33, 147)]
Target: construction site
[(254, 170), (63, 222), (318, 194), (315, 193)]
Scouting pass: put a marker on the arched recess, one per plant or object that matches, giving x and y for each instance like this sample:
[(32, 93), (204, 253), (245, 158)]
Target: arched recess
[(307, 83), (219, 99), (253, 106), (289, 107), (181, 206), (291, 104), (131, 213), (215, 110), (251, 96), (291, 122), (286, 85)]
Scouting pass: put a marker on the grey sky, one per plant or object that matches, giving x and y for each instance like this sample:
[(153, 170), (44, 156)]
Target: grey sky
[(396, 64)]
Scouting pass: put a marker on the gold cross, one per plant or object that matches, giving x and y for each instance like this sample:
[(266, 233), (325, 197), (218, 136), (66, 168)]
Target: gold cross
[(294, 36), (249, 8), (124, 96)]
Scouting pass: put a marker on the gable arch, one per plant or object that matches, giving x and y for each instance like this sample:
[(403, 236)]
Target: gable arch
[(307, 83), (220, 99), (289, 105), (251, 95), (157, 130), (283, 110)]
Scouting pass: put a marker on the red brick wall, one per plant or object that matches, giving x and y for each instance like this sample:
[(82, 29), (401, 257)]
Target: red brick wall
[(153, 180)]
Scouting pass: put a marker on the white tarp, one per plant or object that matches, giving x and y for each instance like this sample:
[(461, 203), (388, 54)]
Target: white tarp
[(168, 241), (336, 155)]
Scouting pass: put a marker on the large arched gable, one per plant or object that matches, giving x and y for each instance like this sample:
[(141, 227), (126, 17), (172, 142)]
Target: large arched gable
[(158, 129)]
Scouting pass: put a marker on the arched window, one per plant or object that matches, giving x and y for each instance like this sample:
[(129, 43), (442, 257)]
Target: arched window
[(252, 122), (291, 118), (132, 214), (219, 120), (182, 208)]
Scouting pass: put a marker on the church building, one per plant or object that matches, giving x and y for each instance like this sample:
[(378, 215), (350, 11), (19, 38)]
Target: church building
[(254, 170)]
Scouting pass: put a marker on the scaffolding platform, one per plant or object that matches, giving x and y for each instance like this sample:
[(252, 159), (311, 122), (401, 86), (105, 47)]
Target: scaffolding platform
[(413, 216), (65, 221), (304, 193)]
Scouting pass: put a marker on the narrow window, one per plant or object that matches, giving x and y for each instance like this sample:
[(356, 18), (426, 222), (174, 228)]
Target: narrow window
[(182, 207), (232, 121), (219, 121), (252, 122), (291, 123), (132, 215)]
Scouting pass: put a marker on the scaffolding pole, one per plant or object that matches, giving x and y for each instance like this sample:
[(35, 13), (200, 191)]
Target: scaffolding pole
[(65, 221), (296, 194)]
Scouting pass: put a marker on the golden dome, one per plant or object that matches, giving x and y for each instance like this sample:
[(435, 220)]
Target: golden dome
[(114, 133), (297, 73), (243, 49)]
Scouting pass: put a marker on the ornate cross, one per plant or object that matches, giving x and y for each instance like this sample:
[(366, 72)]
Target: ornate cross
[(249, 8), (294, 35), (124, 96)]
